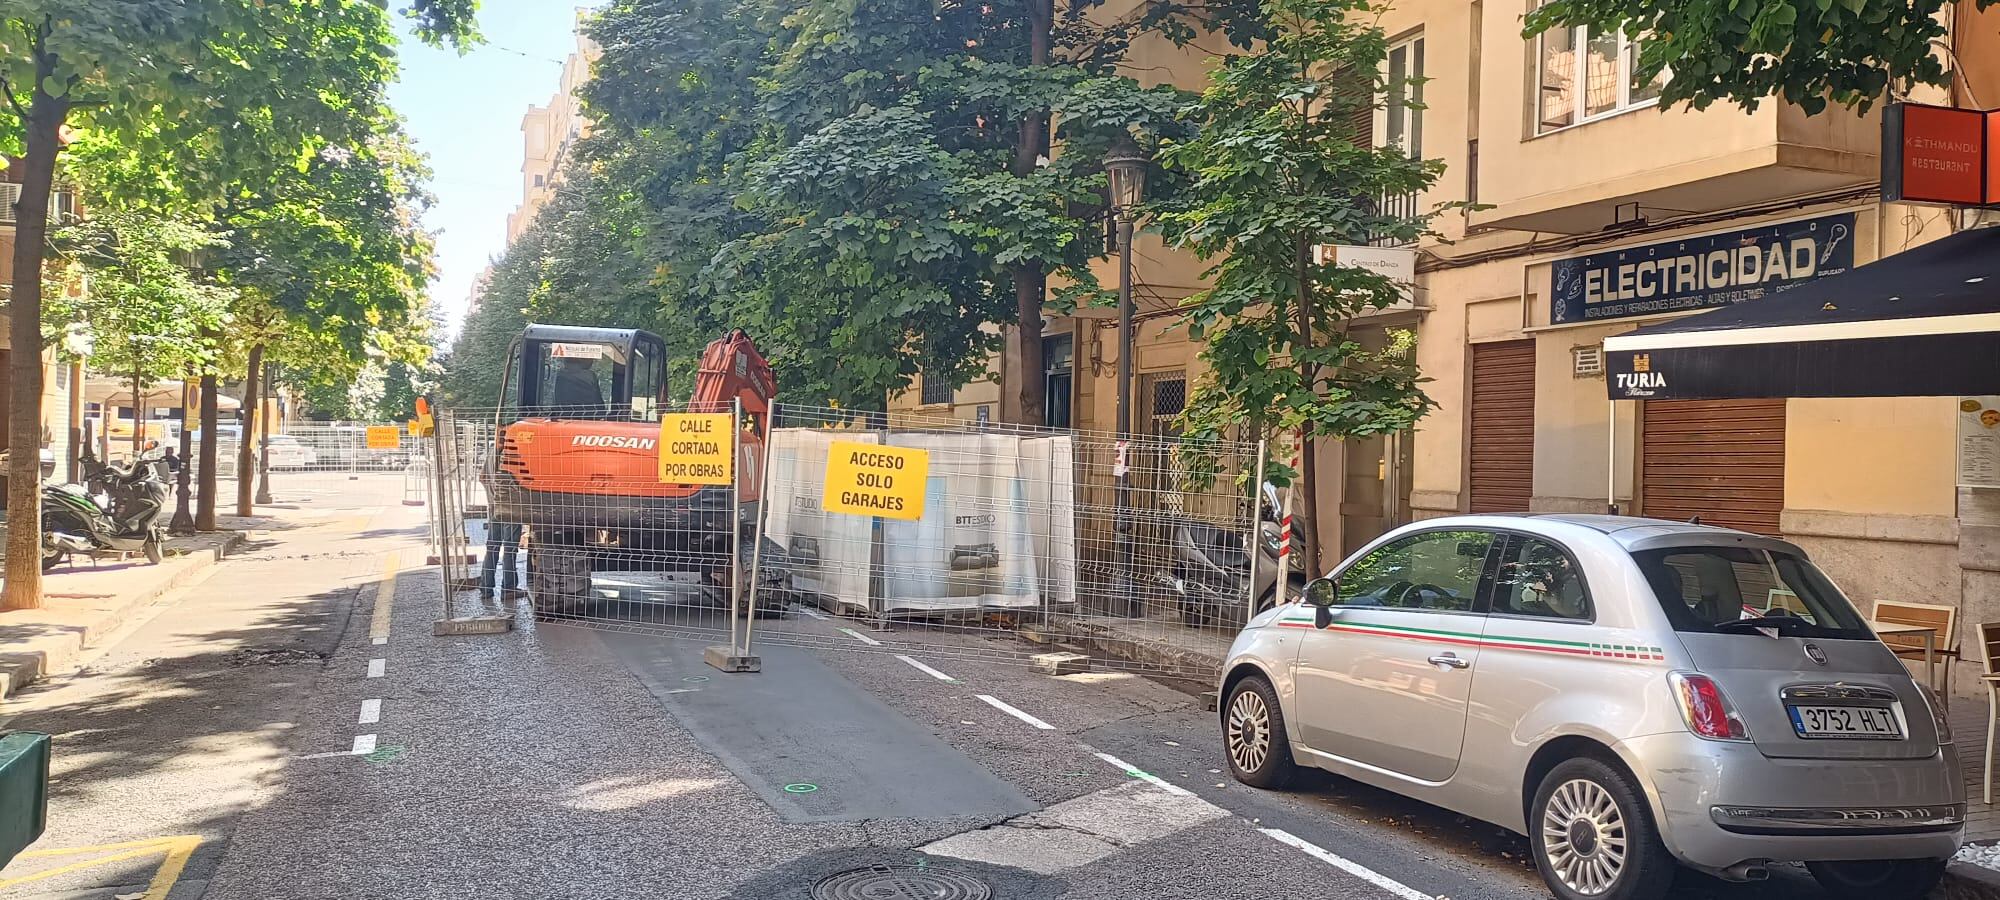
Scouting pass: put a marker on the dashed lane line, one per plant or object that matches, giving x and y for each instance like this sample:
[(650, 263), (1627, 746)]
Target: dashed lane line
[(377, 667), (1346, 865), (862, 637), (371, 712), (1000, 705), (1146, 776), (927, 670), (364, 744)]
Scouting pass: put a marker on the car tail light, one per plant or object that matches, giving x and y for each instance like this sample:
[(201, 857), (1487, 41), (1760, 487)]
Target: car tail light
[(1706, 709), (1936, 704)]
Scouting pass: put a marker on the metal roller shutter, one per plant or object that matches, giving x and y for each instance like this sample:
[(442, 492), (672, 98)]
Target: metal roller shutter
[(1503, 426), (1722, 460)]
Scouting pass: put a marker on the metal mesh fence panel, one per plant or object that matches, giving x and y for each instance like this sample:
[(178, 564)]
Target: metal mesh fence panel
[(869, 532)]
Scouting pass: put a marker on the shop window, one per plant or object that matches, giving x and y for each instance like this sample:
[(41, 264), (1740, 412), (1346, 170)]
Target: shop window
[(1582, 75)]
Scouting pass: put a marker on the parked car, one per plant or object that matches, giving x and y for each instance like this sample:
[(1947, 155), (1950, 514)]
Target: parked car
[(1628, 693), (287, 453)]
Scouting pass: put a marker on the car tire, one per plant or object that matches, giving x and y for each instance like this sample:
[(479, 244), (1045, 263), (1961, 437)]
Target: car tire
[(1584, 811), (1254, 738), (1882, 879)]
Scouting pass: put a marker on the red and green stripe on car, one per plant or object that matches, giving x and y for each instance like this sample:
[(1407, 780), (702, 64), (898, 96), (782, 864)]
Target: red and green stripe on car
[(1632, 652)]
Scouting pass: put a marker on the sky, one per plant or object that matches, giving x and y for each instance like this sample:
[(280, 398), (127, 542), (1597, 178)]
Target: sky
[(464, 113)]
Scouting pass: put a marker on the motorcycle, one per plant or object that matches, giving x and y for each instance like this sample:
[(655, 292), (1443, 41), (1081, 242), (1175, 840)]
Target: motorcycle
[(1210, 570), (117, 510)]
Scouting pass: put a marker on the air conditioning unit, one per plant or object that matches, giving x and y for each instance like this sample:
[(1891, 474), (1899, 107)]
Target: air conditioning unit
[(10, 196), (1587, 362)]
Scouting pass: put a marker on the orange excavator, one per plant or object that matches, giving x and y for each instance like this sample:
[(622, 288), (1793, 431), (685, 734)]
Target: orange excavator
[(576, 457)]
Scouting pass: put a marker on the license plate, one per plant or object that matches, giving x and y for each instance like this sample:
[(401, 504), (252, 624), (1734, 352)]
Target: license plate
[(1862, 722)]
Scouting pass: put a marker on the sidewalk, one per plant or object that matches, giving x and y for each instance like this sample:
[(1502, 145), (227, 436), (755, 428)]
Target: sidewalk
[(83, 603)]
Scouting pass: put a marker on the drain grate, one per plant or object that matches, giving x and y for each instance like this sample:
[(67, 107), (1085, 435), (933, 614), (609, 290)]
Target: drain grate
[(900, 883)]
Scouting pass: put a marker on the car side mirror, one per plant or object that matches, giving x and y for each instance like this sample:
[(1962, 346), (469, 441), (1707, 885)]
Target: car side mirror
[(1322, 593)]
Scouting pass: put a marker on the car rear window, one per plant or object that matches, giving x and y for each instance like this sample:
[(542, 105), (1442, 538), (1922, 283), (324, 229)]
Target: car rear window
[(1740, 589)]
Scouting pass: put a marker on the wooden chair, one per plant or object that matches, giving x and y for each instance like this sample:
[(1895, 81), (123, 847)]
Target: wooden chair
[(1989, 676), (1941, 619)]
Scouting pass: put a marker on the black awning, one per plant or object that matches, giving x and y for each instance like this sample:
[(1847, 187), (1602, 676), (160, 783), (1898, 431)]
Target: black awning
[(1923, 323)]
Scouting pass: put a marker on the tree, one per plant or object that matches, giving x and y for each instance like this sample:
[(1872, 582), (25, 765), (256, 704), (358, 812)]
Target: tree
[(172, 79), (1808, 52), (147, 314), (1276, 172)]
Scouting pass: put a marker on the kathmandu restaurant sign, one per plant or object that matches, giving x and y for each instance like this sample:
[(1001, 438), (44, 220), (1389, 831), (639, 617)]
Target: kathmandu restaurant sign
[(1699, 272), (1941, 155)]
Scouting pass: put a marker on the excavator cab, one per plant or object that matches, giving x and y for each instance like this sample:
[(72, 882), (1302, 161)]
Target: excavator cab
[(569, 372)]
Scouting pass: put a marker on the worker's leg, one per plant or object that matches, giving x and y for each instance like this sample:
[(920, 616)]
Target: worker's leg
[(487, 561)]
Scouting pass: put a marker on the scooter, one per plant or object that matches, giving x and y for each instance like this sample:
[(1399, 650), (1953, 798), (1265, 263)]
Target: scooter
[(118, 510), (1209, 569)]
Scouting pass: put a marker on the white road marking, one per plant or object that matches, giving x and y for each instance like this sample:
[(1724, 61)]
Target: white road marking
[(363, 744), (1345, 865), (996, 703), (380, 641), (371, 712), (862, 637), (377, 667), (1081, 831), (809, 611), (927, 670), (1146, 776)]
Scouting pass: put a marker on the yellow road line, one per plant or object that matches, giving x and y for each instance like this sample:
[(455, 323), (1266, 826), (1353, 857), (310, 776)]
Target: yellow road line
[(170, 868), (178, 849), (385, 596)]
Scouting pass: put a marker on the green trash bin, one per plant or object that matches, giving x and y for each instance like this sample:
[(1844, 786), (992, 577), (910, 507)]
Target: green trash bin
[(24, 790)]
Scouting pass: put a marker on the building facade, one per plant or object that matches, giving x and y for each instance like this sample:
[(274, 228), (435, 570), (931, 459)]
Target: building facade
[(550, 132), (1599, 212), (54, 414)]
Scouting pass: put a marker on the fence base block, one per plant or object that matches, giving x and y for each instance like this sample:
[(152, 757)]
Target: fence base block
[(474, 625), (728, 660)]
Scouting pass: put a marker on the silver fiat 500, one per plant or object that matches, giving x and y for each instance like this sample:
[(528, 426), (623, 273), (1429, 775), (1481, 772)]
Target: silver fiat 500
[(1626, 692)]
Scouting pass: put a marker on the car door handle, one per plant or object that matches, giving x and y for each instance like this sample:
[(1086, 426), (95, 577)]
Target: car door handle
[(1452, 660)]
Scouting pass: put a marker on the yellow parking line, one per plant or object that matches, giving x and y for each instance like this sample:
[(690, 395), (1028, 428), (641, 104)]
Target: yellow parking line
[(385, 597), (178, 849)]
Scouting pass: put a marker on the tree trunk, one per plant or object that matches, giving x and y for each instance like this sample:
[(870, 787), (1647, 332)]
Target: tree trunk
[(204, 506), (246, 466), (1031, 281), (1306, 502), (24, 420)]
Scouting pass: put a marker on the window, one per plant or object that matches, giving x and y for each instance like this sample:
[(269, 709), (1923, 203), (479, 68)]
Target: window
[(935, 391), (1438, 570), (1581, 75), (1736, 590), (540, 180), (1536, 578), (1402, 116), (1165, 396)]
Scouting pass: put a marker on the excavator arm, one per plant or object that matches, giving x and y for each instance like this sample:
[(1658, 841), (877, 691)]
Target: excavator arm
[(732, 369)]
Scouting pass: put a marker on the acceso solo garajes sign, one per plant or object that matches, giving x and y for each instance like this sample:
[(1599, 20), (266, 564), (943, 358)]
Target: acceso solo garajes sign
[(1699, 272)]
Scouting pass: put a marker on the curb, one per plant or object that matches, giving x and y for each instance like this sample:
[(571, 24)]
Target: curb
[(1111, 641), (1965, 881), (18, 669)]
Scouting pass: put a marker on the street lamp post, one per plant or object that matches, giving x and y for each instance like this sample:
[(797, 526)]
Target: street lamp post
[(1125, 167)]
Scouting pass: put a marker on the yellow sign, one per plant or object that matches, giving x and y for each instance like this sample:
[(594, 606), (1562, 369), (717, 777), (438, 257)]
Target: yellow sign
[(872, 480), (697, 448), (384, 437)]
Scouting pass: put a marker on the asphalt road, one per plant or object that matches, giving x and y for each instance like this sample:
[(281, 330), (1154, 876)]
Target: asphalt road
[(291, 729)]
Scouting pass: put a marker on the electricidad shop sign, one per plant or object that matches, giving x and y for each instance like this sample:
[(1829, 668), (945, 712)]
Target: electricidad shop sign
[(1700, 272)]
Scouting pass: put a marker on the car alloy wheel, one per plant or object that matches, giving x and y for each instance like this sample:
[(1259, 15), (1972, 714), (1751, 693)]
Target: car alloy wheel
[(1585, 836), (1249, 731)]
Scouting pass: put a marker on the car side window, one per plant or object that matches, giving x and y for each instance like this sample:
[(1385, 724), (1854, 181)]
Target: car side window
[(1436, 570), (1537, 578)]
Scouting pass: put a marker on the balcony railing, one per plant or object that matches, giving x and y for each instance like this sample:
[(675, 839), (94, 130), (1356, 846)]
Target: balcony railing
[(1397, 206), (62, 204)]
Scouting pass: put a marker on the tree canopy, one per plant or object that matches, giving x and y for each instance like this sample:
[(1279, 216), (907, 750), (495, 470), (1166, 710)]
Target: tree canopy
[(1807, 52)]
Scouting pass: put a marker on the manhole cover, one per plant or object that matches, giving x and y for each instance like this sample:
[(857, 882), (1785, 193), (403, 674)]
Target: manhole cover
[(900, 883)]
